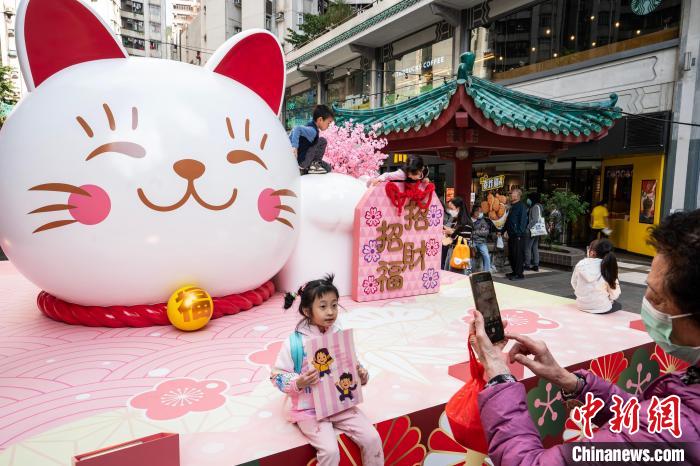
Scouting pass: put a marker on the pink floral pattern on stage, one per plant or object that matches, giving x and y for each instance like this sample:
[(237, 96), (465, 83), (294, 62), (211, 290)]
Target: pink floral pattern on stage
[(175, 398), (267, 356)]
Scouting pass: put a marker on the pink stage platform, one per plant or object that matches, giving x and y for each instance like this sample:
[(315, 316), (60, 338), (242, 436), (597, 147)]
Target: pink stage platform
[(66, 390)]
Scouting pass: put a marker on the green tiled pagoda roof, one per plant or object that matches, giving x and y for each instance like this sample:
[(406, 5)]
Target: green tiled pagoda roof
[(504, 107), (415, 113)]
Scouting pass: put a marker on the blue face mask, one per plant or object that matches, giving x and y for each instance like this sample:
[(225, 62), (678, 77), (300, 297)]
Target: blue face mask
[(659, 326)]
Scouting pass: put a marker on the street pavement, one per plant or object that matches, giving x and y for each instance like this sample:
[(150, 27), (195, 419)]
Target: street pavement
[(633, 271)]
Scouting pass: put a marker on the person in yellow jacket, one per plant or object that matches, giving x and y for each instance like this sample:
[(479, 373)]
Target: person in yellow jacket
[(599, 221)]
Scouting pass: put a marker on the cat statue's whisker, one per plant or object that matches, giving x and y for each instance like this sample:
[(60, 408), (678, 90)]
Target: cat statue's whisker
[(52, 225), (51, 208), (60, 187)]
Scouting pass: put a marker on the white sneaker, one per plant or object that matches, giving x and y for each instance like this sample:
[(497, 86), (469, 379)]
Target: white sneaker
[(317, 169)]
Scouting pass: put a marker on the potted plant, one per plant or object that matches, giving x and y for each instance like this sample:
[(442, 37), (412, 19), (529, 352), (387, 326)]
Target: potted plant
[(564, 207)]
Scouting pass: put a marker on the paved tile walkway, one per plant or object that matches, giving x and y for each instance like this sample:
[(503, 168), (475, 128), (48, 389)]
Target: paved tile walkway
[(633, 271)]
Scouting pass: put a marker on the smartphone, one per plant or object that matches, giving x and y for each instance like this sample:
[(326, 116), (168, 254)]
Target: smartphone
[(485, 299)]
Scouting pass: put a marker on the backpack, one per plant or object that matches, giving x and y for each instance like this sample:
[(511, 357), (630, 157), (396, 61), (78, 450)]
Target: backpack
[(296, 346)]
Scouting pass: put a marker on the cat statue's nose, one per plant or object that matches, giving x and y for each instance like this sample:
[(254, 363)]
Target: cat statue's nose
[(189, 169)]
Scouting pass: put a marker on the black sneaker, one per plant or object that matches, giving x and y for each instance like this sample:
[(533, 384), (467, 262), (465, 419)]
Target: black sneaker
[(535, 269), (510, 276)]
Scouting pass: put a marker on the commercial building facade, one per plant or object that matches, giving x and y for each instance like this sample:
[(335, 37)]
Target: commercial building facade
[(572, 51)]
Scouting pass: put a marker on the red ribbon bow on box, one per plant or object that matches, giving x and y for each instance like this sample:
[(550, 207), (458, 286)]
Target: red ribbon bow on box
[(412, 191)]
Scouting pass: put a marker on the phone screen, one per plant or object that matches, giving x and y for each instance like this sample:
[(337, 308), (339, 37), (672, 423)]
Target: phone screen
[(485, 299)]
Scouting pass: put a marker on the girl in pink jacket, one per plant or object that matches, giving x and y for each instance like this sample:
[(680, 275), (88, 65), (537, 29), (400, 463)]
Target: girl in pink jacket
[(319, 309)]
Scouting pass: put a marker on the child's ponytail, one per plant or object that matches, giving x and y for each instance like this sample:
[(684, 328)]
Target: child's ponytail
[(290, 297), (608, 267)]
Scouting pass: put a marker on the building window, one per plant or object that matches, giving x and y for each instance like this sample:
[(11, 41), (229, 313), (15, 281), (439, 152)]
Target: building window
[(237, 29), (299, 108), (419, 70), (155, 11), (300, 19), (154, 44), (348, 85), (132, 24), (155, 27), (552, 29), (268, 22), (133, 43), (132, 7)]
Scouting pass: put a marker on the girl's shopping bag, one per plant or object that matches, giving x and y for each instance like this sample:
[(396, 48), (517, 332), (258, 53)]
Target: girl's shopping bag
[(463, 409)]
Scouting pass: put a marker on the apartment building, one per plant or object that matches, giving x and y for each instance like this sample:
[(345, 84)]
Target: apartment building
[(143, 28)]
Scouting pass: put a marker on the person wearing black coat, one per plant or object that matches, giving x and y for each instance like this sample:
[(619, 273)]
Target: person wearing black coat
[(516, 227)]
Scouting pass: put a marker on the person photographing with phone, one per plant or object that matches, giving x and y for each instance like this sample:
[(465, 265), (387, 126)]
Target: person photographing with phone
[(671, 314)]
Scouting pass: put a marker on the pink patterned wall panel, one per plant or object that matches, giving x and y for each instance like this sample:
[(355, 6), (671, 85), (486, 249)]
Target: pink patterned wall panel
[(395, 254)]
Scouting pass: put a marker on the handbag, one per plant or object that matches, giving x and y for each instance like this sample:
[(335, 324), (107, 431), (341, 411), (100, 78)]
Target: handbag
[(462, 409), (499, 243), (539, 228), (460, 255)]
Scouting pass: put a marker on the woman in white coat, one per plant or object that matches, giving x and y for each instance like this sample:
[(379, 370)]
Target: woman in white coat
[(595, 279)]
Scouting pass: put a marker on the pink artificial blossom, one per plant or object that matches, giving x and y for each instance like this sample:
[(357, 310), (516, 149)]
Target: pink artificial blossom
[(352, 151)]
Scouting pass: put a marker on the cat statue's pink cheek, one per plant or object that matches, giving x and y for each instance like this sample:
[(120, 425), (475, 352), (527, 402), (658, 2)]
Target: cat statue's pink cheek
[(268, 205), (90, 210)]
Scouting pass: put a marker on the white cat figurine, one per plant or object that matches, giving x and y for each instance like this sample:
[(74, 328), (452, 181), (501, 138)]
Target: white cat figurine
[(124, 178)]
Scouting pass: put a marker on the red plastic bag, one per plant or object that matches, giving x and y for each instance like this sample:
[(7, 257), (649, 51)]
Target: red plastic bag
[(463, 409)]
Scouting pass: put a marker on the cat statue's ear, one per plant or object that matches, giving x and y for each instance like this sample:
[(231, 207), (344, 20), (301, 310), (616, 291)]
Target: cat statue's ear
[(255, 59), (55, 34)]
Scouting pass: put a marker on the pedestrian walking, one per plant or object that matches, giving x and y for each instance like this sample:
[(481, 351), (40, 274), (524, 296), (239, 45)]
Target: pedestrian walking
[(516, 227)]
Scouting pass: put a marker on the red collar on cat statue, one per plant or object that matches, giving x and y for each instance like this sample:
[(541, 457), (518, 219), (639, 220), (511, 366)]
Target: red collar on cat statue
[(145, 315)]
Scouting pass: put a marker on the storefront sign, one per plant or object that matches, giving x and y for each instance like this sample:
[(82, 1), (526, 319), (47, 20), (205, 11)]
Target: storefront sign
[(623, 172), (419, 67), (400, 158), (395, 255), (489, 184)]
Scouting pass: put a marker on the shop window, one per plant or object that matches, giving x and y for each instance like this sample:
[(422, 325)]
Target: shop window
[(572, 26), (348, 85), (617, 191), (418, 71)]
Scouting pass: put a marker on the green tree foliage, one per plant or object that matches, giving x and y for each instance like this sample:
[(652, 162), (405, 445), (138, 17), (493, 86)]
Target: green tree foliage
[(315, 25), (568, 204), (8, 93)]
